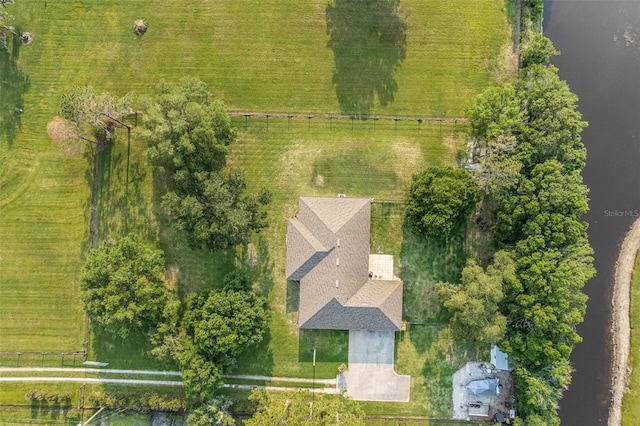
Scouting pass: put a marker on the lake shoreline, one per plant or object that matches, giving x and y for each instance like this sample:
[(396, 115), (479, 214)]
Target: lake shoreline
[(620, 322)]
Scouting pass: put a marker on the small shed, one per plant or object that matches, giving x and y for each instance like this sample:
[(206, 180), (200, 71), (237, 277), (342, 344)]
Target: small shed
[(484, 387), (499, 359)]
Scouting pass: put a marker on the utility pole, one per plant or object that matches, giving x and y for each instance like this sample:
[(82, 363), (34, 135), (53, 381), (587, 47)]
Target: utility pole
[(313, 383)]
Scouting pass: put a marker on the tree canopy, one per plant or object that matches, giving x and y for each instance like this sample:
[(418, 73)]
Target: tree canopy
[(189, 134), (296, 409), (123, 287), (224, 323), (215, 211), (93, 113), (440, 201), (214, 329), (214, 413), (188, 131), (474, 302)]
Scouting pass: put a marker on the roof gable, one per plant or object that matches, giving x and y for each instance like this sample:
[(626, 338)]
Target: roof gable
[(328, 253)]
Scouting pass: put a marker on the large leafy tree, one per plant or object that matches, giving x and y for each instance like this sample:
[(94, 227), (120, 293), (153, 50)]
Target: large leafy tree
[(123, 287), (222, 324), (189, 134), (474, 302), (440, 201), (188, 130), (216, 327), (297, 409), (215, 210)]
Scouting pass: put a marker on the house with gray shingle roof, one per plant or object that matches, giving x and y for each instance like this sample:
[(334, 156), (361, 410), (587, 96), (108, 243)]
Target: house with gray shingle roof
[(342, 285)]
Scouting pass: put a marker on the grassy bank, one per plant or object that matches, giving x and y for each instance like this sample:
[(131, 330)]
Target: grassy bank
[(631, 399)]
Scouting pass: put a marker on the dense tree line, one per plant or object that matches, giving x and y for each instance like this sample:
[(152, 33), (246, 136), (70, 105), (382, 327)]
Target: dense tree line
[(533, 156)]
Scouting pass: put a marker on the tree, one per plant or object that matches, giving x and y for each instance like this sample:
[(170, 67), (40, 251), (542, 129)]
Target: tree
[(474, 302), (237, 280), (201, 377), (215, 211), (187, 130), (297, 409), (123, 287), (440, 201), (214, 412), (92, 113), (536, 49), (222, 324)]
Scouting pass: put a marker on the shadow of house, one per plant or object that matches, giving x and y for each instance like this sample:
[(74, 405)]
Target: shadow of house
[(13, 85), (368, 39)]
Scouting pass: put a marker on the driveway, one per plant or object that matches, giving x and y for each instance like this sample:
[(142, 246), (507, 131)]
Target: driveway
[(370, 376)]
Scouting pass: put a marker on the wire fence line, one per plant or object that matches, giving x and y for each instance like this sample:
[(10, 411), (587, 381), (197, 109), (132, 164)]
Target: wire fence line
[(325, 116), (17, 359)]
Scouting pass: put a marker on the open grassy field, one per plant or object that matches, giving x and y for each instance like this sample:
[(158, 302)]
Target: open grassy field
[(631, 399), (260, 56)]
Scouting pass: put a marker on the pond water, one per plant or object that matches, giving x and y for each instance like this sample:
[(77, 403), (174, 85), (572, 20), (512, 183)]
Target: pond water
[(600, 45)]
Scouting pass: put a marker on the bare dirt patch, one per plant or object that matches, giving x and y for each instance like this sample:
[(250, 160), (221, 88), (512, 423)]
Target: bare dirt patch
[(620, 325), (63, 134)]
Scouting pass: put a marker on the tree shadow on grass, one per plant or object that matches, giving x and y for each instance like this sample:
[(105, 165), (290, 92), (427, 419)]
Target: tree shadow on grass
[(130, 353), (293, 296), (425, 263), (257, 359), (256, 262), (13, 85), (122, 208), (368, 39)]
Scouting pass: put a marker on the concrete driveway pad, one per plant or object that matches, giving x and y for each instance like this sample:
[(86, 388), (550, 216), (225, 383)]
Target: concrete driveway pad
[(370, 376)]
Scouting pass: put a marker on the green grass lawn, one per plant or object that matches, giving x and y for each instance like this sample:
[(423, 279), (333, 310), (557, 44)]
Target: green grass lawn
[(631, 399), (264, 56)]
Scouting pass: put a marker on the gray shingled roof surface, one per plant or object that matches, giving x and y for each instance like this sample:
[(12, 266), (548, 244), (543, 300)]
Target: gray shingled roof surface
[(328, 253)]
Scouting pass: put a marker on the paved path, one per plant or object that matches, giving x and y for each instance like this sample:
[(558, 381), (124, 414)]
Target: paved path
[(280, 379), (86, 370), (91, 380), (320, 382)]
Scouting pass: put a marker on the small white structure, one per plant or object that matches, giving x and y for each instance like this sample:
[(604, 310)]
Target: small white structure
[(499, 359)]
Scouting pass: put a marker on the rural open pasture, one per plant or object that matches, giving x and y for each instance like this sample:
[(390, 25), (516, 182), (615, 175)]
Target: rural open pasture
[(269, 57)]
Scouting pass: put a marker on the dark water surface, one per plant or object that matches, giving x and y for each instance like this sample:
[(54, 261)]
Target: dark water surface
[(600, 45)]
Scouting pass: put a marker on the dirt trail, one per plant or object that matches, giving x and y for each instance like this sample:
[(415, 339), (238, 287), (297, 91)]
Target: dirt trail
[(620, 326)]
